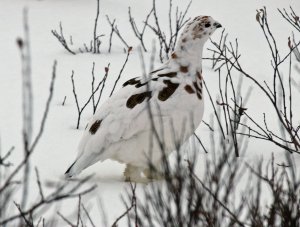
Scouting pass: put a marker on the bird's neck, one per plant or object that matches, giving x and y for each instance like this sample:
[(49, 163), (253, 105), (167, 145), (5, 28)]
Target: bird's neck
[(188, 54)]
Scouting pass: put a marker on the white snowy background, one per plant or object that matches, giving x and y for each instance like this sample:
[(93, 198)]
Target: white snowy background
[(57, 149)]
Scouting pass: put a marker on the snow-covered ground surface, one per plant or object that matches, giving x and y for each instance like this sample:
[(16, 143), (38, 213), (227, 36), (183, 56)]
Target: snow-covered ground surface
[(57, 148)]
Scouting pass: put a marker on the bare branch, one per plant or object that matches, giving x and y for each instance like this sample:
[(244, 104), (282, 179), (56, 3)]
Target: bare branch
[(121, 71), (60, 37), (116, 30)]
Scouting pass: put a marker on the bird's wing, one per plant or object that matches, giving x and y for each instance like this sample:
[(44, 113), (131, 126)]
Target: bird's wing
[(122, 115)]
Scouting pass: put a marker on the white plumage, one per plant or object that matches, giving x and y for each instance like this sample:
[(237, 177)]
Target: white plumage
[(122, 128)]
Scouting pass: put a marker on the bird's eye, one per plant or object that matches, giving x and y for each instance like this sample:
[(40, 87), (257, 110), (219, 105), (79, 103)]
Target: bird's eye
[(207, 25)]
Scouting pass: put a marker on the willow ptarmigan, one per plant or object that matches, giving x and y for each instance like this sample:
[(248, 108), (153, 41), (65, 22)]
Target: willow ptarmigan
[(169, 101)]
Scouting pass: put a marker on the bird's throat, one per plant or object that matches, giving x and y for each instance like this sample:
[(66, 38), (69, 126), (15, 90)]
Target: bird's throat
[(188, 54)]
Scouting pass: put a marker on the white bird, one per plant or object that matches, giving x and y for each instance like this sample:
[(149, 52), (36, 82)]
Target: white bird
[(169, 102)]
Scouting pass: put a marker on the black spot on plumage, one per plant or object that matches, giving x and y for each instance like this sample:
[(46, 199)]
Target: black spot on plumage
[(189, 89), (170, 75), (184, 69), (166, 92), (174, 55), (199, 75), (198, 90), (140, 84), (95, 126), (138, 99), (132, 81), (196, 86)]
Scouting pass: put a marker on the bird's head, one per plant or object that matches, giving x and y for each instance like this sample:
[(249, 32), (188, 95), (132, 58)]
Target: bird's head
[(190, 44), (200, 28)]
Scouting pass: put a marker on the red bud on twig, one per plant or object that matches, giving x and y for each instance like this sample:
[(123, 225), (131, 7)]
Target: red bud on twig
[(290, 43), (20, 43), (257, 16)]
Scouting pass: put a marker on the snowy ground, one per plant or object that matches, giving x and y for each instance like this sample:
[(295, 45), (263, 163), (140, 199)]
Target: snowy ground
[(57, 148)]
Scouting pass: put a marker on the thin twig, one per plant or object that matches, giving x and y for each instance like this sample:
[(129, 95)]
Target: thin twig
[(121, 71)]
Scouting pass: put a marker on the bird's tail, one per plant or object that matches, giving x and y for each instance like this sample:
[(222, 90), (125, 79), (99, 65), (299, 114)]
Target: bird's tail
[(71, 171), (80, 164)]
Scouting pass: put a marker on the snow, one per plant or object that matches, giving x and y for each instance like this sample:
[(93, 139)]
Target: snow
[(57, 149)]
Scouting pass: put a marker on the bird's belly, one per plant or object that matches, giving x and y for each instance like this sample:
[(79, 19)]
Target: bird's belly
[(170, 130), (183, 121)]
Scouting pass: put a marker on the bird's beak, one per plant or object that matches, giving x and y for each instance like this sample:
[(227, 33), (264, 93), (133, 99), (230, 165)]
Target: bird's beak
[(217, 25)]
